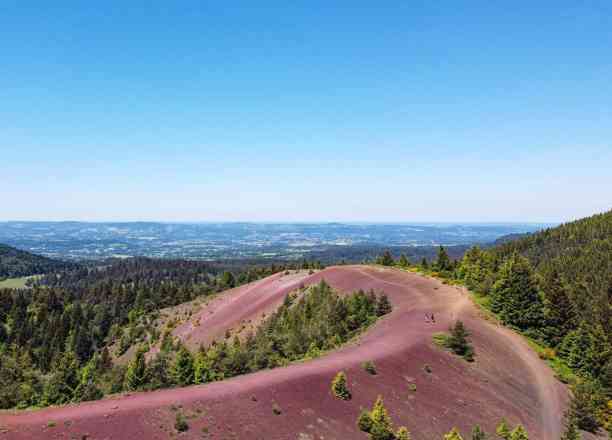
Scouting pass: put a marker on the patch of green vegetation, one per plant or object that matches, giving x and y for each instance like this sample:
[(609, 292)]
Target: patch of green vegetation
[(14, 283), (412, 387), (180, 423), (441, 339), (562, 371), (339, 387), (370, 368)]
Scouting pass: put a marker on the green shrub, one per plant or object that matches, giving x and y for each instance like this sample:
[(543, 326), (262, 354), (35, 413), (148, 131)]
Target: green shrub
[(364, 422), (459, 342), (340, 388), (402, 433), (180, 424), (370, 367)]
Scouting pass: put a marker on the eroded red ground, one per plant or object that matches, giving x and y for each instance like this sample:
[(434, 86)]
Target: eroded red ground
[(507, 379)]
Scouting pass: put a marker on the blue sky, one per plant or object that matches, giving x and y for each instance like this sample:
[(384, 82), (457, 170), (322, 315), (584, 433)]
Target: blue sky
[(305, 111)]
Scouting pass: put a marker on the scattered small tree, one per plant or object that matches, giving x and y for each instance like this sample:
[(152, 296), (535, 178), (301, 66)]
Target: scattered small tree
[(453, 435), (519, 433), (182, 369), (478, 433), (382, 428), (136, 372), (503, 430), (340, 388), (383, 306), (364, 422), (370, 367), (180, 424), (443, 262), (402, 434), (403, 261), (387, 259), (459, 343)]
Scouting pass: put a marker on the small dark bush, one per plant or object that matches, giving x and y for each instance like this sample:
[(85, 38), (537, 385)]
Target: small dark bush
[(180, 423), (370, 367)]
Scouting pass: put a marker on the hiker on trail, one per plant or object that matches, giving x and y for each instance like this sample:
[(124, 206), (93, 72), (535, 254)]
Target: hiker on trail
[(433, 319)]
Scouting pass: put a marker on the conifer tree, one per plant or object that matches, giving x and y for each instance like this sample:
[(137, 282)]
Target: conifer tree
[(458, 341), (503, 430), (478, 433), (364, 422), (519, 433), (403, 261), (515, 295), (383, 306), (424, 263), (387, 259), (559, 312), (183, 370), (136, 372), (453, 435), (382, 428), (340, 388), (443, 262), (402, 434)]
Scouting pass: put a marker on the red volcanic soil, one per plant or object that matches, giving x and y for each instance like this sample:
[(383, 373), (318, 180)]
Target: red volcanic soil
[(506, 380)]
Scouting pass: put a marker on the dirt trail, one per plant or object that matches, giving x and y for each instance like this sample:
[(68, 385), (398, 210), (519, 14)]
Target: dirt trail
[(507, 379)]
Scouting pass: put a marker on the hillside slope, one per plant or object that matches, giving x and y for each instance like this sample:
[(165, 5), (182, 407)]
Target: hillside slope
[(506, 380), (17, 263)]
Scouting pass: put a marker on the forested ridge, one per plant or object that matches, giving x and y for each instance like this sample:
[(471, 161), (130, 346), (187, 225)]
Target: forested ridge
[(67, 321), (554, 286), (17, 263)]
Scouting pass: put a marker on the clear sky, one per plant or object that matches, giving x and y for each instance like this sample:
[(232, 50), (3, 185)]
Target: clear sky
[(305, 111)]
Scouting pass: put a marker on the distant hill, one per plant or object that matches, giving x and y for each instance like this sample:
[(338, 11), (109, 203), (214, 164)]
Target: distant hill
[(566, 242), (508, 238), (17, 263)]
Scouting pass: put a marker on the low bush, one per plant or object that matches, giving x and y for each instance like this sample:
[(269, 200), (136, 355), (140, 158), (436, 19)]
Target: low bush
[(180, 424), (370, 368)]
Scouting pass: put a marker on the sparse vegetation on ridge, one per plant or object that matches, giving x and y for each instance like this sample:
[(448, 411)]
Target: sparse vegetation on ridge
[(554, 287)]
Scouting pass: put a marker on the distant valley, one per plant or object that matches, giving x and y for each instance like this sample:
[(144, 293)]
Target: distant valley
[(278, 241)]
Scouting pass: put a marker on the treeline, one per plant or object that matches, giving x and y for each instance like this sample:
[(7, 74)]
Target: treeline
[(555, 286), (309, 322), (64, 324), (15, 263)]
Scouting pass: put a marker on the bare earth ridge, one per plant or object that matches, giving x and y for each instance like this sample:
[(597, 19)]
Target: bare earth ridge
[(507, 379)]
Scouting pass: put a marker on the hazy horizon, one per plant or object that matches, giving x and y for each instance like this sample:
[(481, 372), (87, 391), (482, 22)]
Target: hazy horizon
[(296, 222)]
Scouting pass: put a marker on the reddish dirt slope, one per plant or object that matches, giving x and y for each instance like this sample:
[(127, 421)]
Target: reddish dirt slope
[(507, 379)]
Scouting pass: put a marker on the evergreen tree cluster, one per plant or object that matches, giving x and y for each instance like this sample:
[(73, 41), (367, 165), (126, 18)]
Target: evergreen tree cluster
[(308, 322), (556, 286), (441, 264), (17, 263), (55, 336)]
